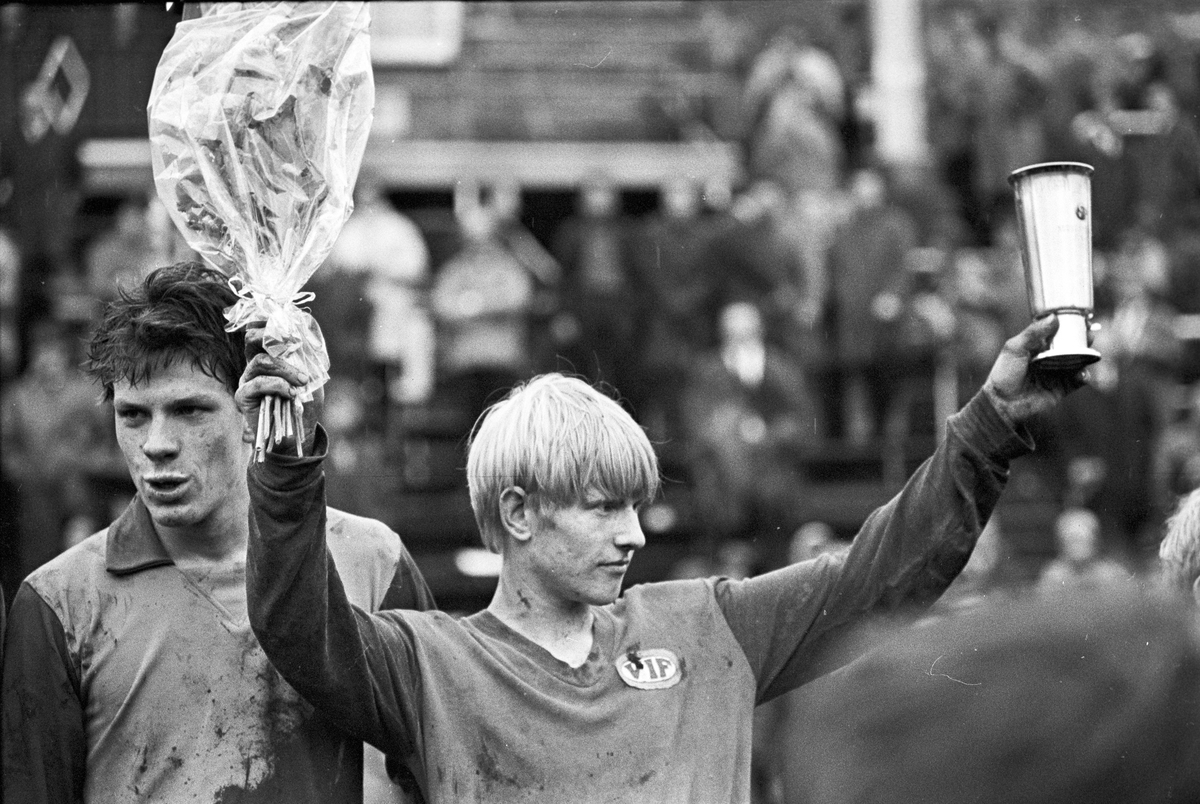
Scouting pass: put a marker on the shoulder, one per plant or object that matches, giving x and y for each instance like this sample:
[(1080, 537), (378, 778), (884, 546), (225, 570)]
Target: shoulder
[(80, 566), (372, 561), (69, 586), (352, 535), (668, 598)]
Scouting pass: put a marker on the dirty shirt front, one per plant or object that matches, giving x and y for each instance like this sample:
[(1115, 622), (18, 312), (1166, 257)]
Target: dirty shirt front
[(662, 708), (128, 679)]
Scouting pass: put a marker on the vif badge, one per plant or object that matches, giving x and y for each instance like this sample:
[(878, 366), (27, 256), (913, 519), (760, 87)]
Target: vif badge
[(654, 669)]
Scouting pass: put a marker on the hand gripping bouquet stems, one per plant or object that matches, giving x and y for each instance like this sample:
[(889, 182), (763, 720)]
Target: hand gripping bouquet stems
[(259, 115)]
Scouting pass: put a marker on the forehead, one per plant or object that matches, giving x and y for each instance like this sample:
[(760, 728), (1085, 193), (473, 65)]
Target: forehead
[(176, 380)]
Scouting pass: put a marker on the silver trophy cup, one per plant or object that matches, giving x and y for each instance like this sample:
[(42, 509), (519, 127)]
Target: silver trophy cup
[(1054, 217)]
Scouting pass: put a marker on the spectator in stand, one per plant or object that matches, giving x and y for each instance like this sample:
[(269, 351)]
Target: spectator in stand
[(987, 573), (866, 249), (676, 307), (917, 323), (749, 415), (1143, 321), (504, 203), (1097, 451), (752, 256), (1080, 560), (989, 294), (1177, 453), (599, 333), (483, 300), (123, 255), (130, 669), (795, 96), (1179, 551), (54, 433), (812, 539), (377, 278)]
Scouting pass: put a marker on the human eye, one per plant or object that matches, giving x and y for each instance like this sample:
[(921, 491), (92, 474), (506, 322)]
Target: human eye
[(191, 410), (613, 506), (130, 416)]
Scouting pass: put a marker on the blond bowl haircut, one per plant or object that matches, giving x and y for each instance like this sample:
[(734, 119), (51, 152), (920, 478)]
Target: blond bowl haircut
[(557, 438), (1179, 551)]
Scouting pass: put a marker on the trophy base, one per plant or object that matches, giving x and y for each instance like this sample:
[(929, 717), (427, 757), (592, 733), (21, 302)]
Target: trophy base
[(1068, 349), (1065, 361)]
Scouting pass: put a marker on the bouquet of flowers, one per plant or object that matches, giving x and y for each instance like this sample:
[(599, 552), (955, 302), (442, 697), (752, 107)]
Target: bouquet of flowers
[(259, 115)]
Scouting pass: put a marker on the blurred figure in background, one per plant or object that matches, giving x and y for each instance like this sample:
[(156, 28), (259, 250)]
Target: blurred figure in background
[(504, 204), (795, 97), (1088, 696), (917, 324), (1098, 449), (53, 431), (867, 248), (598, 336), (382, 255), (1143, 321), (123, 255), (811, 540), (483, 298), (990, 298), (1177, 453), (676, 303), (10, 306), (1080, 561), (749, 414), (987, 572)]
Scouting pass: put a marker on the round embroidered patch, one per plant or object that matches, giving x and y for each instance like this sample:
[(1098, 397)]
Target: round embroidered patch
[(653, 669)]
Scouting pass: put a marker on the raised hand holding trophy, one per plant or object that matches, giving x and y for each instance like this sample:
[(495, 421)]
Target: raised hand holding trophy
[(1054, 218)]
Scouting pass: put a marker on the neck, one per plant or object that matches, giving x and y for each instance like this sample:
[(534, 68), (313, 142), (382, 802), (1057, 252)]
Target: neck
[(563, 628), (221, 539)]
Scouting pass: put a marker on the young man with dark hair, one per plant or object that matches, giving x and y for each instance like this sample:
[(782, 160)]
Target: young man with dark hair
[(130, 670), (565, 689)]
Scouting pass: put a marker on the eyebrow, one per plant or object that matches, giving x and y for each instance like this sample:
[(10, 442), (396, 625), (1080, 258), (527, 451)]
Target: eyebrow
[(193, 400)]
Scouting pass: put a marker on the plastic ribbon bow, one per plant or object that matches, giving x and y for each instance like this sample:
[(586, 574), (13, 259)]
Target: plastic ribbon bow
[(290, 332)]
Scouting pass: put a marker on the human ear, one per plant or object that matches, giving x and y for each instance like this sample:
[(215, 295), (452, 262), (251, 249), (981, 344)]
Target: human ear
[(515, 513)]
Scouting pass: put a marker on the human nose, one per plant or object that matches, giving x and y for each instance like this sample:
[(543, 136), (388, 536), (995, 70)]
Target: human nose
[(160, 440), (629, 535)]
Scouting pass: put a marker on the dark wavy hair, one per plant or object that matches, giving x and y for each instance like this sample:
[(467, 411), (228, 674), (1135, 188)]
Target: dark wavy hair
[(176, 315)]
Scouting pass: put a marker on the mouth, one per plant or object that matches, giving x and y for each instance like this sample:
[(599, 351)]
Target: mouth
[(164, 488), (616, 566)]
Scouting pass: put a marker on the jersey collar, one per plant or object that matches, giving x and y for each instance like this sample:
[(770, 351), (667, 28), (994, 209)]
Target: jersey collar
[(133, 545)]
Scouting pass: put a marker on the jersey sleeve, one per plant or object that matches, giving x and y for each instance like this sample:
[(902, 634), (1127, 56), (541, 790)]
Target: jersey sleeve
[(356, 667), (44, 742), (795, 623)]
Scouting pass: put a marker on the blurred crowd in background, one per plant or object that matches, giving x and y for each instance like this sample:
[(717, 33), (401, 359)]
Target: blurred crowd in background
[(835, 305)]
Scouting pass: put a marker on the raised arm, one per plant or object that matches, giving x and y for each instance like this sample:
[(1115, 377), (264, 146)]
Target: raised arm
[(792, 623), (355, 667)]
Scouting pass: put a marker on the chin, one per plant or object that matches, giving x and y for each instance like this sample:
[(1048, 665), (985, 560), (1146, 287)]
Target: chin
[(604, 598), (169, 517)]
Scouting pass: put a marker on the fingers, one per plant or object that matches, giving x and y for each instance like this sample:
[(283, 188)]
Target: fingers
[(264, 365), (1034, 338), (1059, 382), (268, 376)]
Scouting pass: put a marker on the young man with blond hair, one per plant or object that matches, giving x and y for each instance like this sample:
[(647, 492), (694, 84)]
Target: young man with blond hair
[(565, 688)]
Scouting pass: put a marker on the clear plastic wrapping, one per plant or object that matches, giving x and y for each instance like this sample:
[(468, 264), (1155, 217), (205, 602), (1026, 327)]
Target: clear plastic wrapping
[(258, 117)]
